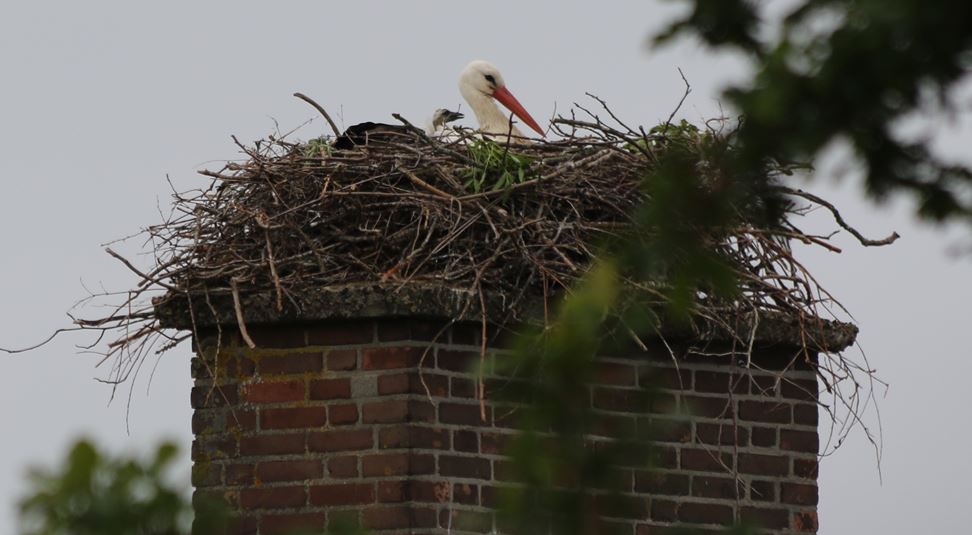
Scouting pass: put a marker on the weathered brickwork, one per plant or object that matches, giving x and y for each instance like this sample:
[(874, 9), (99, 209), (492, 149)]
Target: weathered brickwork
[(378, 421)]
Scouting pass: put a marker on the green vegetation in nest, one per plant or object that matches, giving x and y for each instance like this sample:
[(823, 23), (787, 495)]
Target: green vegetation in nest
[(495, 164)]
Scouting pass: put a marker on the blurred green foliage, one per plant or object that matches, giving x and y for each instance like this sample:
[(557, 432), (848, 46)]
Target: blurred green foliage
[(849, 71), (96, 494)]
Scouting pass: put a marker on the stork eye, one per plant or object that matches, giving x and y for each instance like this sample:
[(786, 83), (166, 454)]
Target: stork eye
[(491, 79)]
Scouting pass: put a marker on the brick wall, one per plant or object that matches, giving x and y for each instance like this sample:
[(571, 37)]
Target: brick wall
[(375, 421)]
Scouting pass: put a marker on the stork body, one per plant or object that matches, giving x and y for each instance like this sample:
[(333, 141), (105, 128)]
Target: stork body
[(482, 85)]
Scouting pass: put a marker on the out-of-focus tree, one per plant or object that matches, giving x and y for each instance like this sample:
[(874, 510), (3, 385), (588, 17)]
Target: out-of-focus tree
[(96, 494), (849, 70)]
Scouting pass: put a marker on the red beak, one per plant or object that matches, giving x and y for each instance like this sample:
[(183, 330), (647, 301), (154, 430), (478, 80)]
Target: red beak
[(507, 99)]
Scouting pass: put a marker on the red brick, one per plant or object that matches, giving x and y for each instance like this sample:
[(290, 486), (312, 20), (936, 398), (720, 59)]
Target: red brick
[(413, 437), (271, 498), (397, 410), (465, 493), (616, 399), (202, 397), (465, 441), (762, 491), (802, 441), (393, 384), (245, 524), (290, 364), (721, 434), (612, 373), (386, 411), (653, 376), (458, 361), (764, 411), (494, 443), (725, 488), (805, 468), (272, 444), (342, 359), (414, 383), (343, 467), (764, 386), (387, 358), (705, 513), (664, 457), (342, 494), (208, 421), (664, 510), (343, 440), (341, 333), (503, 470), (280, 524), (428, 491), (426, 384), (289, 470), (799, 389), (392, 517), (763, 465), (459, 466), (797, 494), (466, 334), (765, 517), (206, 475), (720, 383), (293, 417), (622, 506), (661, 483), (463, 388), (214, 447), (805, 521), (277, 336), (805, 414), (467, 521), (275, 392), (391, 491), (763, 437), (670, 430), (344, 414), (330, 388), (708, 407), (239, 474), (241, 420), (490, 497), (397, 464), (411, 330), (707, 460), (460, 414)]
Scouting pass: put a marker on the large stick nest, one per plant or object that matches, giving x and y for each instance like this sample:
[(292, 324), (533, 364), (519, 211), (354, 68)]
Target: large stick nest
[(520, 222)]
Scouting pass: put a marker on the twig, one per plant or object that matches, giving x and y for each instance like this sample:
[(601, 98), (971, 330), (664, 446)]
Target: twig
[(319, 108), (239, 315), (839, 219)]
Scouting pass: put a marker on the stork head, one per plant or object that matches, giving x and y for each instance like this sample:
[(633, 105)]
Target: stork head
[(483, 78)]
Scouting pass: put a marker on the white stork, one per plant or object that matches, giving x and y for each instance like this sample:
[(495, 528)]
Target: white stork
[(481, 84)]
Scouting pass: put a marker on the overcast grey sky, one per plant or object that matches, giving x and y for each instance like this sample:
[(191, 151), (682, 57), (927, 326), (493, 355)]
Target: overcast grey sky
[(99, 101)]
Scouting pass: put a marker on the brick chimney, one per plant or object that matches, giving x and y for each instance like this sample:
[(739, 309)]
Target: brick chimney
[(362, 406)]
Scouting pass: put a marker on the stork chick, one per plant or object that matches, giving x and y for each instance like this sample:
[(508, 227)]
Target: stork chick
[(437, 125)]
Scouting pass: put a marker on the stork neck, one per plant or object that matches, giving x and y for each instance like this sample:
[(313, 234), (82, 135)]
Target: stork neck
[(491, 119)]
